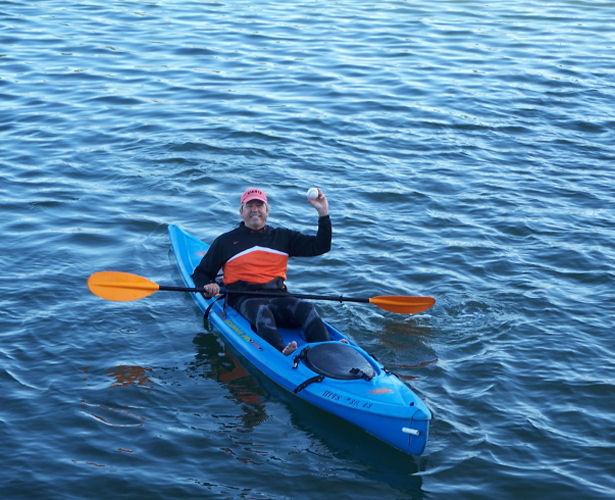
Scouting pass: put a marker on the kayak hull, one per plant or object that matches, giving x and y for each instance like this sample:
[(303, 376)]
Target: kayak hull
[(383, 406)]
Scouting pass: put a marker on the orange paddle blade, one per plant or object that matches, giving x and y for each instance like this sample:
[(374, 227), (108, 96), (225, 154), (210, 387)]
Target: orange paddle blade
[(403, 304), (121, 287)]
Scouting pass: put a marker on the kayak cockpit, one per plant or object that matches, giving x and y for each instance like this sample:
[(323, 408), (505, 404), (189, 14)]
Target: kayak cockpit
[(336, 360)]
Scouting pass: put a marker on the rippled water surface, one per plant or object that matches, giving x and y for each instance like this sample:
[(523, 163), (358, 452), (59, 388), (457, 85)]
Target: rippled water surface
[(467, 150)]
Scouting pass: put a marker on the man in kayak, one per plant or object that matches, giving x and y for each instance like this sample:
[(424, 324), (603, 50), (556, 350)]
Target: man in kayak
[(254, 256)]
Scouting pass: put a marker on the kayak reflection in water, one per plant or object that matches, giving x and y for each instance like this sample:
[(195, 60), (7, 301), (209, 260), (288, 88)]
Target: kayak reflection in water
[(254, 256)]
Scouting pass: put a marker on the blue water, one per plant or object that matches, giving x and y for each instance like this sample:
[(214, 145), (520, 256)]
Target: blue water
[(467, 150)]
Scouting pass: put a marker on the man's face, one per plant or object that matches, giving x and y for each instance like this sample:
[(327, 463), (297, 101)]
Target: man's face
[(254, 214)]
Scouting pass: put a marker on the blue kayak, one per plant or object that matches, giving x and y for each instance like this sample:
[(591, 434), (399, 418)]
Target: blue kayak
[(337, 377)]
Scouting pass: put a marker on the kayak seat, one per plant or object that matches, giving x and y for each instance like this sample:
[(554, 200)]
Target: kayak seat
[(336, 360)]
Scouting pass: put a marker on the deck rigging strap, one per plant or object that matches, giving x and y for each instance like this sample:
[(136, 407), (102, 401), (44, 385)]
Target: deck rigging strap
[(303, 385), (208, 310)]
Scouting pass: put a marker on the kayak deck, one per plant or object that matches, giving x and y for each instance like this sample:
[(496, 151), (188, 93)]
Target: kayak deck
[(382, 405)]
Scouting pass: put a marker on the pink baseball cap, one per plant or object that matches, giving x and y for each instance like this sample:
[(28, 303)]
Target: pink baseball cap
[(253, 194)]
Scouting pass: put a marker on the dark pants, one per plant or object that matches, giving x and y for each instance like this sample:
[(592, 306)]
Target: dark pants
[(267, 313)]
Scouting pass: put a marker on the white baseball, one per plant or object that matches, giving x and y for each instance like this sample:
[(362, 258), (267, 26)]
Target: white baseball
[(312, 193)]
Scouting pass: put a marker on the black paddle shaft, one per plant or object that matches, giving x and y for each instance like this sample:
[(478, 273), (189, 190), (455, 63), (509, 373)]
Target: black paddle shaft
[(273, 293)]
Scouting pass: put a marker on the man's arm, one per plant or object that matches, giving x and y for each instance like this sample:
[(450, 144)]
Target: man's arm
[(205, 273)]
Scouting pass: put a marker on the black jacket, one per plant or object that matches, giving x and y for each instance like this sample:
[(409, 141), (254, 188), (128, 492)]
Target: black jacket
[(259, 257)]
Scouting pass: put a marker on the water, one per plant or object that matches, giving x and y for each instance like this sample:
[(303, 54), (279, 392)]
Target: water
[(466, 149)]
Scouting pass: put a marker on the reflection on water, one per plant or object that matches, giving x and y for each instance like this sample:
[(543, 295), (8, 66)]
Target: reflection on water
[(212, 361), (123, 376), (112, 416), (131, 375)]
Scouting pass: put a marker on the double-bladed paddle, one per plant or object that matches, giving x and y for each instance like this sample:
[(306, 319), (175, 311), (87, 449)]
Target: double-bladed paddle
[(118, 286)]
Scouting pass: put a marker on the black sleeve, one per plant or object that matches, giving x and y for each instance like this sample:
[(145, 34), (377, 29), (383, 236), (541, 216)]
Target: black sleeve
[(302, 245), (210, 264)]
